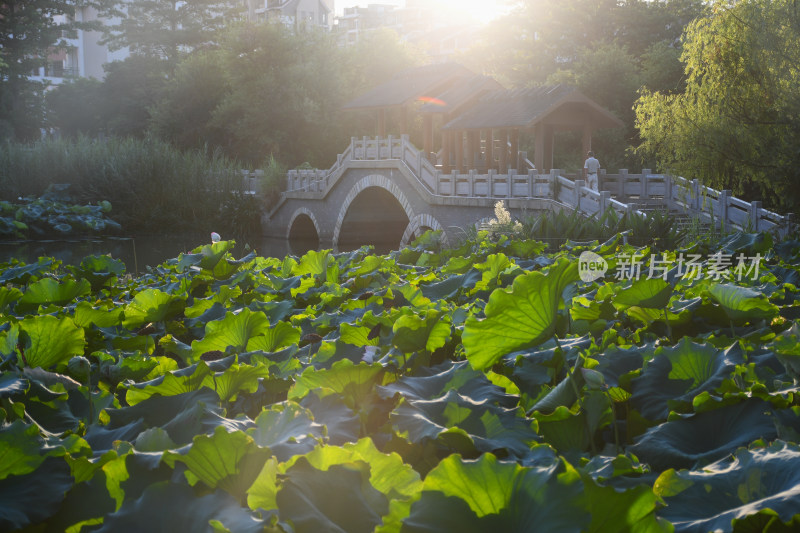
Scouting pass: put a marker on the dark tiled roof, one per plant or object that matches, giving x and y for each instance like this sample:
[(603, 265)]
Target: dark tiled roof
[(462, 92), (410, 85), (522, 108)]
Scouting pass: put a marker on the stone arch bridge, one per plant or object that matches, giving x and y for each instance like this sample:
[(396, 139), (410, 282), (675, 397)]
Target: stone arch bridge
[(383, 191)]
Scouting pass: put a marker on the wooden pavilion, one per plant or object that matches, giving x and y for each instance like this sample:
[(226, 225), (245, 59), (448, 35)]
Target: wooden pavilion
[(480, 121)]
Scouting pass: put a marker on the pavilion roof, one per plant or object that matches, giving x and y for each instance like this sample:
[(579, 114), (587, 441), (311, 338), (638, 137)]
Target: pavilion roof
[(409, 86), (465, 90), (523, 108)]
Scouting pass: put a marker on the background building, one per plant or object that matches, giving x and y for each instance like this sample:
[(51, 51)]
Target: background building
[(84, 57)]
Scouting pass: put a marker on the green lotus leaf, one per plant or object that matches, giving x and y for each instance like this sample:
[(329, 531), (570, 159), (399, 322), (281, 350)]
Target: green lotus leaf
[(742, 304), (649, 293), (206, 257), (706, 436), (275, 338), (337, 500), (787, 350), (341, 422), (171, 384), (236, 330), (235, 379), (8, 296), (344, 377), (357, 335), (450, 375), (182, 416), (164, 498), (748, 244), (154, 440), (99, 270), (491, 495), (23, 448), (50, 291), (494, 266), (314, 263), (521, 317), (33, 498), (451, 287), (48, 341), (731, 489), (22, 273), (627, 510), (152, 305), (490, 428), (679, 373), (228, 460), (103, 316), (425, 332), (287, 429), (564, 429)]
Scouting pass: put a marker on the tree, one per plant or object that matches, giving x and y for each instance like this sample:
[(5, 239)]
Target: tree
[(131, 88), (75, 107), (30, 30), (737, 124), (184, 112), (168, 29)]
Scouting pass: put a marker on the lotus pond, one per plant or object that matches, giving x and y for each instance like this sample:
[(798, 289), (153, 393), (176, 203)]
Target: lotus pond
[(484, 388)]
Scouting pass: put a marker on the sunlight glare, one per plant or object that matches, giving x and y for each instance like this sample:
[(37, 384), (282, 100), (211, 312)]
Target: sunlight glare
[(477, 10)]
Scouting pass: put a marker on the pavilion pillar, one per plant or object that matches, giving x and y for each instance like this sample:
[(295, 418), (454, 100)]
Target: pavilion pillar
[(445, 152), (381, 122), (459, 138), (548, 147), (538, 148), (476, 149), (403, 119), (503, 163), (515, 149), (587, 138), (427, 134), (489, 149), (471, 136)]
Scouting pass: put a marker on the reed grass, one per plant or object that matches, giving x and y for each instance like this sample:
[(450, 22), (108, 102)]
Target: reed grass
[(151, 185)]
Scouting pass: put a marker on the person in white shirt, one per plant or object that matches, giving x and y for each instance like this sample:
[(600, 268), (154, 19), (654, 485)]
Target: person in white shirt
[(590, 168)]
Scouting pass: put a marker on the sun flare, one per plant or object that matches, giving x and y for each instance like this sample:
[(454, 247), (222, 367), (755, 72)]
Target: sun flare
[(476, 10)]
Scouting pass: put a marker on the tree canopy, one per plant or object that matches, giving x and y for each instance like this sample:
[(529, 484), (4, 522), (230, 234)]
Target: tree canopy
[(30, 30), (168, 29), (737, 124)]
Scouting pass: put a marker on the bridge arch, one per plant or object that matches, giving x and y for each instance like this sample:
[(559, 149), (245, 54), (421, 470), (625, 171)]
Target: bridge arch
[(419, 224), (301, 216), (372, 181)]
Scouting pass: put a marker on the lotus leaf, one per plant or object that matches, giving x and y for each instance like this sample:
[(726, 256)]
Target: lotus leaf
[(677, 374), (742, 304), (48, 341), (50, 291), (522, 317), (729, 489), (151, 305)]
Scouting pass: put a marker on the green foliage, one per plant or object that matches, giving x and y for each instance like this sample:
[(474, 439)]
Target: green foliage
[(734, 126), (165, 29), (30, 31), (150, 184), (484, 388), (73, 108)]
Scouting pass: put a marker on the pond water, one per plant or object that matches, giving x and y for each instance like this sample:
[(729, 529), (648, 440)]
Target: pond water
[(142, 251)]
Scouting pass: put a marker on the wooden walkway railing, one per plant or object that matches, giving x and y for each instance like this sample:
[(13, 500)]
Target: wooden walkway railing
[(622, 192)]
